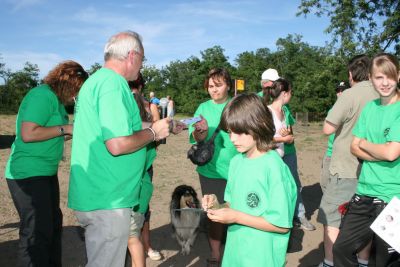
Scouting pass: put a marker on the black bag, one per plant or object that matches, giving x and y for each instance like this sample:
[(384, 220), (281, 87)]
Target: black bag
[(202, 152)]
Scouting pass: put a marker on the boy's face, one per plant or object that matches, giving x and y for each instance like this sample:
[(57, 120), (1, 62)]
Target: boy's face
[(244, 143)]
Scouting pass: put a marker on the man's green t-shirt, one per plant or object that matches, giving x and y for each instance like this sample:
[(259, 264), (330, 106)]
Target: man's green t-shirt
[(224, 149), (40, 106), (105, 109), (263, 187), (379, 124)]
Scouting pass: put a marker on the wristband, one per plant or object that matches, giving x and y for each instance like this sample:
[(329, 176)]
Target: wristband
[(153, 132), (61, 131)]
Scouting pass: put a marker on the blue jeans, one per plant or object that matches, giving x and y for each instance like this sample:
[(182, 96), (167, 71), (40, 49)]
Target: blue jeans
[(291, 162)]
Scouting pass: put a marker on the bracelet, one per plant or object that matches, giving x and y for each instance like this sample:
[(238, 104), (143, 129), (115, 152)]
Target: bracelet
[(153, 132)]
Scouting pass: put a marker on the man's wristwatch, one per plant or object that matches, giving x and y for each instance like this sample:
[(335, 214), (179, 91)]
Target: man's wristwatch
[(61, 131)]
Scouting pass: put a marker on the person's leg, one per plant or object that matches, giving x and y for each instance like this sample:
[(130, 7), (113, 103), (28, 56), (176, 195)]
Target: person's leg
[(355, 233), (135, 245), (106, 236), (216, 231), (136, 250), (33, 200), (55, 250), (385, 254), (337, 192), (330, 235), (148, 249), (300, 211)]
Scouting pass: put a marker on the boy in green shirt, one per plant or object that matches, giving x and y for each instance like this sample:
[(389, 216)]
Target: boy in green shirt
[(260, 194)]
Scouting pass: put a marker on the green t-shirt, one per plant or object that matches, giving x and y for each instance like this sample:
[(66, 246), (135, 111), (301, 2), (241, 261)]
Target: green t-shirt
[(379, 124), (224, 149), (40, 106), (331, 138), (98, 180), (290, 120), (146, 186), (262, 187)]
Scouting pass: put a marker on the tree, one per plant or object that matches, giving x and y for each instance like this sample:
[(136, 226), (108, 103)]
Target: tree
[(359, 25), (18, 84), (250, 66), (96, 66)]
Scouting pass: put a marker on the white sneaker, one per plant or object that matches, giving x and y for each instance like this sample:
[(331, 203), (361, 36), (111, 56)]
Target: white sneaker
[(154, 255), (306, 225)]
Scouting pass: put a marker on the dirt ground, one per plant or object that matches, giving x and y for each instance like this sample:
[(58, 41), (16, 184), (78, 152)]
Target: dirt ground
[(171, 169)]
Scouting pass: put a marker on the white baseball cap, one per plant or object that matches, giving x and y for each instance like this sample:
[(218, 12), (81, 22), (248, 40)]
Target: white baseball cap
[(270, 74)]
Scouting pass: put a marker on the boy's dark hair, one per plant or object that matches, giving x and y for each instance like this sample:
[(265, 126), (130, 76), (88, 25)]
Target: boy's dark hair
[(272, 92), (359, 68), (247, 114), (217, 74)]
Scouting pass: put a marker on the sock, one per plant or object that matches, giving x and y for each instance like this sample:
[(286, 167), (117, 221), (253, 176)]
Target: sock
[(327, 263), (362, 263)]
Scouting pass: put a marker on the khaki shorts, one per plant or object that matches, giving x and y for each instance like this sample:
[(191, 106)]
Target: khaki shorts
[(326, 161), (137, 220), (338, 191)]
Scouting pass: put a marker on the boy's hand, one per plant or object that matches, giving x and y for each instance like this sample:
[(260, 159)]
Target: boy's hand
[(223, 215), (210, 202)]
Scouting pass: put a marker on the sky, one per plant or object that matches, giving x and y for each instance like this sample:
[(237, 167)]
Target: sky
[(46, 32)]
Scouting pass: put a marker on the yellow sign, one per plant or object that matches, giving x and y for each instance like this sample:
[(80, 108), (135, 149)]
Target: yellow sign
[(239, 85)]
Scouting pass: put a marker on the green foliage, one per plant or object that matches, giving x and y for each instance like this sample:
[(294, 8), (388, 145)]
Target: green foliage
[(16, 86), (96, 66), (359, 25)]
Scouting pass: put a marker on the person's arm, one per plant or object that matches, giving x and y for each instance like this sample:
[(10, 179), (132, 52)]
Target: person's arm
[(154, 112), (228, 216), (389, 151), (128, 144), (358, 152), (288, 139), (32, 132), (329, 128)]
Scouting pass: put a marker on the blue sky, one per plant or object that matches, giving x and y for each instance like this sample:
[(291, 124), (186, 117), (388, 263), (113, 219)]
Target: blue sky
[(46, 32)]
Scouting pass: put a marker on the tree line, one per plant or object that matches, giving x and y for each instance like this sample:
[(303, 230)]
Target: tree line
[(313, 71)]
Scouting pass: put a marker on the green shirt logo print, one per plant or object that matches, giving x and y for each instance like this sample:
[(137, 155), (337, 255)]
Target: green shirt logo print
[(252, 200)]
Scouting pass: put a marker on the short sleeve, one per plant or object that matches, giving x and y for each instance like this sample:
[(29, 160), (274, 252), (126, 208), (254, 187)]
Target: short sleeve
[(38, 107), (282, 195), (340, 110), (115, 112)]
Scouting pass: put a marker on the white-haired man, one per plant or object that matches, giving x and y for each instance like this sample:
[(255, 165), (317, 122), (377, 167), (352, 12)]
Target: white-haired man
[(108, 152)]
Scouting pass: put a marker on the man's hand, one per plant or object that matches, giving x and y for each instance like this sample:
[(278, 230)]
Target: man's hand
[(161, 128)]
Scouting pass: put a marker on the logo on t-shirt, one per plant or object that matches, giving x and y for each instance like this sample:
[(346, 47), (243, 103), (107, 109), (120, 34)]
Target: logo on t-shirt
[(386, 132), (252, 200)]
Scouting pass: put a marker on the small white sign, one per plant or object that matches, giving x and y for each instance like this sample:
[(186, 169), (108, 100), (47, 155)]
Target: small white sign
[(387, 224)]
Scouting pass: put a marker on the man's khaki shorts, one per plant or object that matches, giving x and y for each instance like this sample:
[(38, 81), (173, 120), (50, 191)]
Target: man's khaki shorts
[(337, 192)]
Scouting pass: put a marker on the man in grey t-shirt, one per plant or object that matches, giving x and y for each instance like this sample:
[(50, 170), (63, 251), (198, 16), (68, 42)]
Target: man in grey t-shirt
[(344, 167)]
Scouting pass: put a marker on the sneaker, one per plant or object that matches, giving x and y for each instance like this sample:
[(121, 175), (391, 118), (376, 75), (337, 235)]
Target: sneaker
[(306, 225), (154, 255)]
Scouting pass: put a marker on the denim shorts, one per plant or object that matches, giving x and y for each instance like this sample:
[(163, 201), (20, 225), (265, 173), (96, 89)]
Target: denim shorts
[(337, 191)]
